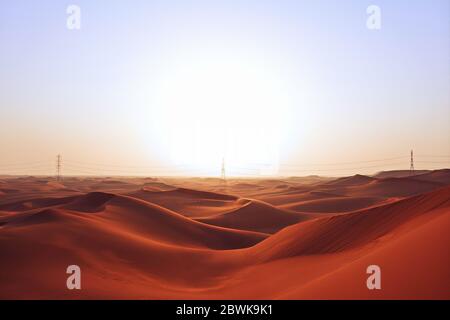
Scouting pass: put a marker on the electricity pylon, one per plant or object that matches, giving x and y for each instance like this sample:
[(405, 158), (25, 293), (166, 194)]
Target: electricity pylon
[(223, 175), (58, 167)]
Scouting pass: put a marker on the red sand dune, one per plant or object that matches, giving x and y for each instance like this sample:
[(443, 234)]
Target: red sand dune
[(191, 203), (181, 243), (355, 180), (293, 196), (256, 215), (400, 173), (440, 176), (331, 234), (405, 259), (396, 187), (331, 204)]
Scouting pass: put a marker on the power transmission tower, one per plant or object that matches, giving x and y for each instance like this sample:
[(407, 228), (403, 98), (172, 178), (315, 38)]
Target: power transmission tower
[(223, 176), (411, 167), (58, 167)]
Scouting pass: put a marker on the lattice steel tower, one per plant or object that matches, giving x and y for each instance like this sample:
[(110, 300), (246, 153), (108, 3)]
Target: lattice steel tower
[(58, 167), (223, 175)]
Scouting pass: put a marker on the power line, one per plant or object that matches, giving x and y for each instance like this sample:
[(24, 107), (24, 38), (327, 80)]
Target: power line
[(77, 167), (119, 166), (436, 162), (349, 169), (341, 163), (248, 169), (435, 156), (20, 165)]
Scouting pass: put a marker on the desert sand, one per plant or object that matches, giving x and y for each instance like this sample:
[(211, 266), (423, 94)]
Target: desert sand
[(204, 238)]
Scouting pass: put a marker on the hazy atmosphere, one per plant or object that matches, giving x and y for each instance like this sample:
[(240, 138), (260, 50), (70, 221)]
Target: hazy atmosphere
[(265, 87)]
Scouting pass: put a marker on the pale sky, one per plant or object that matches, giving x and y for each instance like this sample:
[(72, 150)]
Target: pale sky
[(270, 87)]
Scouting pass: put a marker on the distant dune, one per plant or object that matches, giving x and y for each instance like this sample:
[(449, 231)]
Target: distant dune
[(399, 173), (141, 238), (256, 215), (191, 203), (439, 176), (355, 180), (397, 187), (333, 205)]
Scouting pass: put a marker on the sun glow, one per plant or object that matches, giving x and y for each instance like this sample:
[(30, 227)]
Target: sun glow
[(225, 109)]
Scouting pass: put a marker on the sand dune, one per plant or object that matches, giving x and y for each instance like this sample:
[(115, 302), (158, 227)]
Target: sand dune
[(140, 238), (157, 186), (333, 204), (146, 219), (27, 204), (323, 259), (397, 187), (405, 260), (295, 195), (257, 216), (399, 173), (332, 233), (189, 202), (439, 176), (355, 180)]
